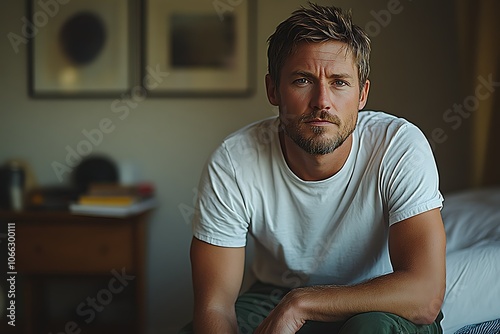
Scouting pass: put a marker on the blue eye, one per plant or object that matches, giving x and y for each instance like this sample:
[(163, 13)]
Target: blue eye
[(302, 81), (340, 83)]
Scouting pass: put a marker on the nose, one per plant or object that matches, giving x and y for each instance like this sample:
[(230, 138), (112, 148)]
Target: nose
[(321, 99)]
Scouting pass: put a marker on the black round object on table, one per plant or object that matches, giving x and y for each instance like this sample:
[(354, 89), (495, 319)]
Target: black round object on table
[(94, 169)]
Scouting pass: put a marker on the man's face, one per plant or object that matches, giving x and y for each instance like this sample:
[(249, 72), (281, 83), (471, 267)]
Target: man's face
[(319, 96)]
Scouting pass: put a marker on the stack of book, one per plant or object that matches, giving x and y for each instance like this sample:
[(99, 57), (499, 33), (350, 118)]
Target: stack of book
[(115, 200)]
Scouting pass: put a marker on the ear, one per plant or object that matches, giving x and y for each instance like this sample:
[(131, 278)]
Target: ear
[(272, 91), (363, 98)]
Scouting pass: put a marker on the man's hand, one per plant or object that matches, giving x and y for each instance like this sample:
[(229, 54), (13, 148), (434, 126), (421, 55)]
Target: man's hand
[(284, 318)]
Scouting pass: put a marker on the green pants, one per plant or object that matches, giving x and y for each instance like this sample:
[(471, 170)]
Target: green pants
[(255, 304)]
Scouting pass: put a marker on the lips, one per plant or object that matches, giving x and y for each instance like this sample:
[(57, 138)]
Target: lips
[(321, 118), (322, 121)]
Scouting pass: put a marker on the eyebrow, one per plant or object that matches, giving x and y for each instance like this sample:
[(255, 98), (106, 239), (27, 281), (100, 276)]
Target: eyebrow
[(311, 75)]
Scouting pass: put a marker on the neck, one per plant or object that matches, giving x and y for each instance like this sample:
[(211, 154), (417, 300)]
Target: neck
[(310, 167)]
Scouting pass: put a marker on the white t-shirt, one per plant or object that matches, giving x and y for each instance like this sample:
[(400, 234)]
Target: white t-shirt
[(333, 231)]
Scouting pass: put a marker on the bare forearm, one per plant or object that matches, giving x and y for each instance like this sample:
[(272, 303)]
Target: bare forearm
[(400, 293), (415, 290), (217, 276), (215, 322)]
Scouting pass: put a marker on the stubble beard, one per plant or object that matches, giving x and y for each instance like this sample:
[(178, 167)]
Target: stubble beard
[(318, 143)]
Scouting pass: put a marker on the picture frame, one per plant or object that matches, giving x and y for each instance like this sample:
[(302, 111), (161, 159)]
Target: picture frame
[(202, 48), (83, 48)]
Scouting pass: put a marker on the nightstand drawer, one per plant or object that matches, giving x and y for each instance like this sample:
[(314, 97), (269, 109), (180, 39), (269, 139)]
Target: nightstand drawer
[(73, 248)]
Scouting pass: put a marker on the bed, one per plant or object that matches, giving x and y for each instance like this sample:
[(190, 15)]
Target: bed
[(472, 223)]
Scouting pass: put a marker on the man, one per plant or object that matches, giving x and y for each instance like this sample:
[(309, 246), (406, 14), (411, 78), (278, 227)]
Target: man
[(344, 207)]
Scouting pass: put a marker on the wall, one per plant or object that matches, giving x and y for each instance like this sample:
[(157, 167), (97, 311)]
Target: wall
[(414, 75)]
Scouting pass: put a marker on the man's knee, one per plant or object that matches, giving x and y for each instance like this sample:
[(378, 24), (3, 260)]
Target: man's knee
[(370, 323)]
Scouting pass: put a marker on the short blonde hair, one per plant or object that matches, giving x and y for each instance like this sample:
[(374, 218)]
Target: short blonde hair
[(318, 24)]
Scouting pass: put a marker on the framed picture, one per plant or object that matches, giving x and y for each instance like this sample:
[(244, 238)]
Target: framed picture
[(200, 47), (84, 48)]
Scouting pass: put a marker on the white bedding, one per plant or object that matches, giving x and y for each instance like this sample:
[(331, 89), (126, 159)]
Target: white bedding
[(472, 222)]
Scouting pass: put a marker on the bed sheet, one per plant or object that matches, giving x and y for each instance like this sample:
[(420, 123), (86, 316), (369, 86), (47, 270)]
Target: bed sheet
[(489, 327), (472, 223)]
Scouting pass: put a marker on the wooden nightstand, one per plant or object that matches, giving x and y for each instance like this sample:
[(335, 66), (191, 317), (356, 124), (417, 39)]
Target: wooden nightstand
[(63, 245)]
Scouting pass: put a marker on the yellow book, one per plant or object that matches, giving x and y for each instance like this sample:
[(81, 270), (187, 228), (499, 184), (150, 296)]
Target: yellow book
[(107, 200), (114, 210)]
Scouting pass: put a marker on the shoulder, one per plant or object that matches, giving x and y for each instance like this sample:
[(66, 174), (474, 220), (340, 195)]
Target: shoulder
[(376, 126), (247, 143), (256, 133), (381, 121)]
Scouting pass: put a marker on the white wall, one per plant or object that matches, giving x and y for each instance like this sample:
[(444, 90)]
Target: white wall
[(414, 75)]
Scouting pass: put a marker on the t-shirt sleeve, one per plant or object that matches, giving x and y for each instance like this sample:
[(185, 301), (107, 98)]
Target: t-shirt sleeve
[(219, 217), (410, 180)]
